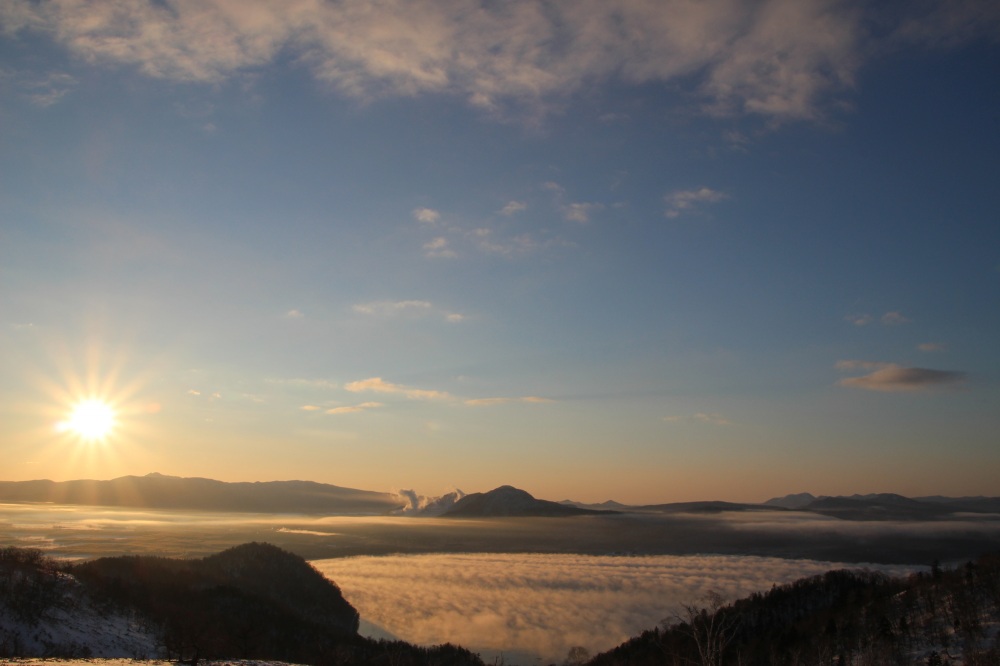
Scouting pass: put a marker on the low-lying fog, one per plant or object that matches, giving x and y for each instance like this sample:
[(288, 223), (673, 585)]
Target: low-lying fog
[(85, 532), (534, 605), (531, 586)]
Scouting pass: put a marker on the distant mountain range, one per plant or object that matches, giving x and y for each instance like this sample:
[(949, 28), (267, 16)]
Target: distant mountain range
[(158, 491), (876, 506), (885, 506)]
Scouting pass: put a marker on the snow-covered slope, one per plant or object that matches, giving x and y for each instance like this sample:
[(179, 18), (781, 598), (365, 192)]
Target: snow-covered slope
[(73, 626)]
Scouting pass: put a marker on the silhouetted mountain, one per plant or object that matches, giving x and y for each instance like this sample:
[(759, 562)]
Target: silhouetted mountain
[(253, 602), (510, 501), (886, 506), (794, 501), (609, 505), (703, 507), (882, 506), (156, 491)]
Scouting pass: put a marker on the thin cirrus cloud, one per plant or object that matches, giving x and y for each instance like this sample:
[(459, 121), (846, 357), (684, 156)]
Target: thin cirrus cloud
[(426, 215), (779, 59), (710, 418), (513, 207), (438, 248), (47, 90), (859, 319), (384, 308), (354, 409), (890, 377), (489, 402), (379, 385), (932, 347), (686, 201), (580, 212), (893, 318), (411, 308)]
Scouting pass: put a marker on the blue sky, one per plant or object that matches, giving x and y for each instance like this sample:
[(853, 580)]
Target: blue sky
[(646, 251)]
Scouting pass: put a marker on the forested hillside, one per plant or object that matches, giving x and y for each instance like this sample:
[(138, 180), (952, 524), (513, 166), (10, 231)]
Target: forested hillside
[(253, 601), (838, 618)]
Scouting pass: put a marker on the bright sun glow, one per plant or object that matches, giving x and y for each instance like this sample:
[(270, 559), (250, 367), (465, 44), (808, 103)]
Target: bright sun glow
[(91, 419)]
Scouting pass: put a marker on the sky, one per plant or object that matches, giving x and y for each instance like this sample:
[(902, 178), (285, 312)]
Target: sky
[(637, 250)]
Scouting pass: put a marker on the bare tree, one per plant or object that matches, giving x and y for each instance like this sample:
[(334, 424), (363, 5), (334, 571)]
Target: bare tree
[(709, 627), (577, 655)]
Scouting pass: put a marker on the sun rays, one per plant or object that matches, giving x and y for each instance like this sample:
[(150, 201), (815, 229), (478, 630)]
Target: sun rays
[(91, 420), (91, 414)]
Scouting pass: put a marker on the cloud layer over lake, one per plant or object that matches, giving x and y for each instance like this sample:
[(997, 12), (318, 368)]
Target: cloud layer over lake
[(545, 604)]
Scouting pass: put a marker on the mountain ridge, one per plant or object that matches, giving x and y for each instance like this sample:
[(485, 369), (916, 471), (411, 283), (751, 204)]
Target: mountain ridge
[(508, 501), (160, 491)]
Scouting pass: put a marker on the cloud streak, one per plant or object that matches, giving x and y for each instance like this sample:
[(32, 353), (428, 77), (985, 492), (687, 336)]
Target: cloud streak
[(354, 409), (417, 308), (709, 418), (780, 59), (378, 385), (685, 201), (890, 377), (426, 215), (488, 402)]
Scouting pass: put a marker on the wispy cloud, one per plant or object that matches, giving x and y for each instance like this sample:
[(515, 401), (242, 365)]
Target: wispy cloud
[(385, 308), (894, 319), (684, 201), (488, 402), (510, 247), (426, 215), (513, 207), (49, 89), (299, 382), (412, 308), (780, 59), (378, 385), (709, 418), (294, 314), (580, 212), (438, 248), (854, 364), (890, 377), (932, 346), (354, 409)]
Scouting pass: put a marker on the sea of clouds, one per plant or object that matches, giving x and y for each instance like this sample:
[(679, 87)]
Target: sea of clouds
[(531, 605)]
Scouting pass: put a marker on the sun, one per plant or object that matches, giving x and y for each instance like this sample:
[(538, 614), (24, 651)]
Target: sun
[(91, 420)]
